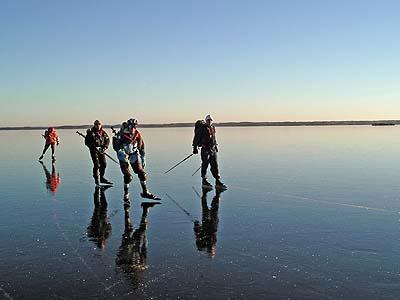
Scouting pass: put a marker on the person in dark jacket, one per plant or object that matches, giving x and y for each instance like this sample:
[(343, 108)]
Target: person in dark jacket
[(129, 146), (204, 137), (97, 141)]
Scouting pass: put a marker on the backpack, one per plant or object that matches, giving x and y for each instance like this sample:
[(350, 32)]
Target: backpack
[(116, 142), (199, 128)]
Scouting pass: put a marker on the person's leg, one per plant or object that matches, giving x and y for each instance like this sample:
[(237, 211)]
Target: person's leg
[(102, 168), (139, 171), (204, 165), (215, 172), (52, 151), (96, 165), (46, 146), (214, 165), (204, 162), (124, 166)]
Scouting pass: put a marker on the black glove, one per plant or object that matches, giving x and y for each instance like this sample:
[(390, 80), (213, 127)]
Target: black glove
[(100, 150), (195, 150)]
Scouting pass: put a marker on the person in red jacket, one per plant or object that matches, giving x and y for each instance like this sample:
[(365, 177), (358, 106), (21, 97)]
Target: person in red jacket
[(52, 138)]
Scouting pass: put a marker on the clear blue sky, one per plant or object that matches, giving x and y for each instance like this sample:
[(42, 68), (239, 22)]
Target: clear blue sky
[(70, 62)]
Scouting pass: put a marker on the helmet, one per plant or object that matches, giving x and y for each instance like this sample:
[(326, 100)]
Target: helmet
[(97, 122), (51, 129), (208, 117), (132, 122)]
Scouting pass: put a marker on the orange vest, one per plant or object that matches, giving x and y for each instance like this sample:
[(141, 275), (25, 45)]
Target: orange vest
[(51, 137)]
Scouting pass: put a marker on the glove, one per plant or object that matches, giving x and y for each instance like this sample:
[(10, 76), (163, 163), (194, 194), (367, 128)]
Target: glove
[(100, 149), (122, 156), (143, 159), (216, 148), (195, 150)]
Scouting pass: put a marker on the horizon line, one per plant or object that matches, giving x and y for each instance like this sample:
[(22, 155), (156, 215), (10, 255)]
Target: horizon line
[(221, 124)]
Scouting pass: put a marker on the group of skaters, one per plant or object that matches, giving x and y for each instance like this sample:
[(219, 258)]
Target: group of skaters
[(129, 146)]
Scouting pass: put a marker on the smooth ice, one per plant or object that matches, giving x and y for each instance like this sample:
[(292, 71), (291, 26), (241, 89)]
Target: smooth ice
[(310, 213)]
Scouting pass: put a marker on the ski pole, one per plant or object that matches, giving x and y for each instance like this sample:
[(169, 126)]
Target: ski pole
[(196, 171), (181, 208), (82, 135), (178, 163), (196, 192)]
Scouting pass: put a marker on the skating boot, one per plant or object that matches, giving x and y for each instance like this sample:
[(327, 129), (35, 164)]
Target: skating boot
[(105, 181), (220, 185), (206, 184)]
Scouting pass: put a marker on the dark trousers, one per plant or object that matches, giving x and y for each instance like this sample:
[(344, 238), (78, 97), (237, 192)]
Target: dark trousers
[(137, 169), (99, 163), (209, 157), (46, 146)]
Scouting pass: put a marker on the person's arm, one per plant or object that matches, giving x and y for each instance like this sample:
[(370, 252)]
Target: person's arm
[(141, 150), (106, 141), (88, 139), (215, 139)]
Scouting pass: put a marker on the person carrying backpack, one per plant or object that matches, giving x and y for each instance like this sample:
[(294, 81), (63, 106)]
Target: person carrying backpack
[(129, 145), (204, 137)]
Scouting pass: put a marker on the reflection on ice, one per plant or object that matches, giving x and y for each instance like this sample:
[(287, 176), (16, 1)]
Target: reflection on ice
[(132, 254), (100, 227), (206, 232), (52, 179)]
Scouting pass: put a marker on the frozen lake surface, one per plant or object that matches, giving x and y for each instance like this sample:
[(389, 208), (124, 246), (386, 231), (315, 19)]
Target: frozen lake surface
[(310, 213)]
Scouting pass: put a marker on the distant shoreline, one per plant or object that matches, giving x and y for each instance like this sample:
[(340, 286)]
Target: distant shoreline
[(224, 124)]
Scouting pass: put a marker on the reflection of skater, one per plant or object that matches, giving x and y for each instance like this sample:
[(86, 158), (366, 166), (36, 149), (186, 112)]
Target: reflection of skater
[(204, 137), (51, 137), (52, 179), (129, 145), (206, 232), (99, 228), (132, 253)]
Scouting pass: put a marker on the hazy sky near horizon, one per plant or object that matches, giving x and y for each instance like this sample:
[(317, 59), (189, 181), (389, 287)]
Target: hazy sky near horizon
[(70, 62)]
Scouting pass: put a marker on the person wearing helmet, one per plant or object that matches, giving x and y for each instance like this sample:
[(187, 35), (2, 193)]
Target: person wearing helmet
[(97, 141), (129, 146), (52, 138), (204, 137)]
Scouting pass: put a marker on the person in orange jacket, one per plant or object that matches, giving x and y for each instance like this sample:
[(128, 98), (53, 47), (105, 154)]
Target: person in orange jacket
[(52, 138)]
